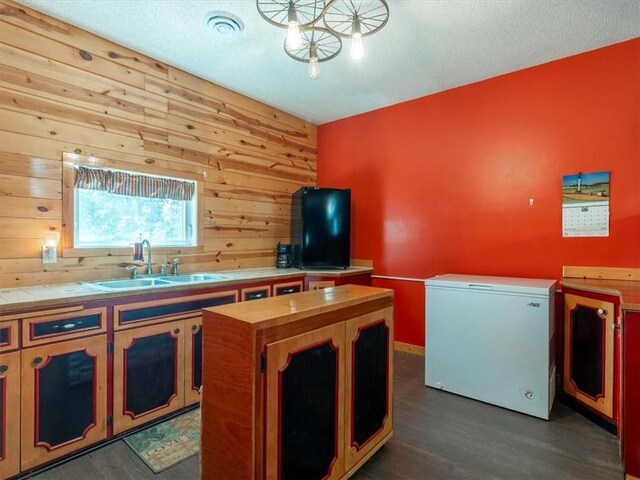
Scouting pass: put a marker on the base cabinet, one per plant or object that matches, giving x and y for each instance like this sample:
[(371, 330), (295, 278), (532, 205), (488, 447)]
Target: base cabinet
[(305, 381), (589, 353), (368, 384), (305, 405), (9, 414), (64, 398), (193, 360), (148, 373)]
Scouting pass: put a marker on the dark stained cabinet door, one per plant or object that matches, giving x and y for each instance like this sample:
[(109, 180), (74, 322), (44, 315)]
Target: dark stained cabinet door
[(9, 414), (193, 360), (305, 405), (589, 345), (148, 369), (63, 398), (368, 392)]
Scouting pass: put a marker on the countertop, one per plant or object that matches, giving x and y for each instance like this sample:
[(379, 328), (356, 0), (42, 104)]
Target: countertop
[(628, 291), (281, 310), (20, 298)]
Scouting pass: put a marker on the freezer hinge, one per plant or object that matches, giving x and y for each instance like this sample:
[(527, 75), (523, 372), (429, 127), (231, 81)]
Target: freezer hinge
[(109, 420), (263, 361)]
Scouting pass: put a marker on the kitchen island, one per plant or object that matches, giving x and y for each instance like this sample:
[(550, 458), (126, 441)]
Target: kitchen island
[(298, 386)]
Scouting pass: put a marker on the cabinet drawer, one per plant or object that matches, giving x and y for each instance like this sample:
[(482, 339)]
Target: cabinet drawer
[(50, 328), (321, 284), (287, 288), (255, 293), (157, 311), (9, 335)]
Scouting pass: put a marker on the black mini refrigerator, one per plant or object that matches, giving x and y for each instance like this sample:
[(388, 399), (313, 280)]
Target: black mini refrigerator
[(321, 227)]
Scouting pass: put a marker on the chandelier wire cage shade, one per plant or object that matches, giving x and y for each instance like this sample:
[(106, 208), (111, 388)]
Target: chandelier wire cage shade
[(308, 42)]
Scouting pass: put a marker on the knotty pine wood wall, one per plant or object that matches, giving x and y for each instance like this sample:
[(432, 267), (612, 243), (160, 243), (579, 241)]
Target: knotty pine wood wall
[(63, 89)]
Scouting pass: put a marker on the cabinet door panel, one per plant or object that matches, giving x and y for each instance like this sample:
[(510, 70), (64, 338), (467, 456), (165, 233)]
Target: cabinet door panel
[(9, 414), (193, 360), (305, 409), (63, 398), (148, 374), (369, 374), (589, 352)]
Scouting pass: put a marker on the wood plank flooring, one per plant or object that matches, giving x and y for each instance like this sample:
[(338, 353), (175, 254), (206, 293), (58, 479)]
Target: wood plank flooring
[(437, 436)]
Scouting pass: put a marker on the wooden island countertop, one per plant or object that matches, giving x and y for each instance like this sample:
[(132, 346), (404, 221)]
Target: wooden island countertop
[(285, 309)]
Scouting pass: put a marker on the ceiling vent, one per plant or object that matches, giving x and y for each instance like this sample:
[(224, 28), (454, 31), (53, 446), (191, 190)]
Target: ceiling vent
[(224, 23)]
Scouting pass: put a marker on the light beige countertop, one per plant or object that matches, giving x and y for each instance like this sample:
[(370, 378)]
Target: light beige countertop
[(21, 298)]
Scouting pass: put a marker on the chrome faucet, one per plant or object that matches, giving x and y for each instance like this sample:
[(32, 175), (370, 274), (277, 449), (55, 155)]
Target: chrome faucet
[(149, 269)]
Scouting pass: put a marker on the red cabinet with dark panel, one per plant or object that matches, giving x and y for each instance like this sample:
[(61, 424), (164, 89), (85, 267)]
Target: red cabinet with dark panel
[(631, 393)]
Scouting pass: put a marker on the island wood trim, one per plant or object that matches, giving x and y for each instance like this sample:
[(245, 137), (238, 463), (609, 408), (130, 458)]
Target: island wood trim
[(409, 348), (605, 273)]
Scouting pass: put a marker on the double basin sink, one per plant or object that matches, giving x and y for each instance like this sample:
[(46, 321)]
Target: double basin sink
[(156, 281)]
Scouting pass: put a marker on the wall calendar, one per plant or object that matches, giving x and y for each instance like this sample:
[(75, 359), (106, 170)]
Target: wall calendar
[(585, 205)]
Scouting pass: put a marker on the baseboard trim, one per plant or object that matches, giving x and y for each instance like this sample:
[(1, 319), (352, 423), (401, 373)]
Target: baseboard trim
[(408, 348)]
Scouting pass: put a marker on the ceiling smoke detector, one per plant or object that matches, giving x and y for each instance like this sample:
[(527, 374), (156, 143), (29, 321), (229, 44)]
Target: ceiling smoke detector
[(224, 23)]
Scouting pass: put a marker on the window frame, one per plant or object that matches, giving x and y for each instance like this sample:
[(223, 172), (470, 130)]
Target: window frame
[(69, 162)]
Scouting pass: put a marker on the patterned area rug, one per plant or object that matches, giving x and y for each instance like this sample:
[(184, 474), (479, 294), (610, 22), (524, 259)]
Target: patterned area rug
[(167, 443)]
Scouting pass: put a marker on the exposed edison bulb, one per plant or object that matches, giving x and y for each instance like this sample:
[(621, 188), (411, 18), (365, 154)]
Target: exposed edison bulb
[(357, 47), (294, 39), (314, 68)]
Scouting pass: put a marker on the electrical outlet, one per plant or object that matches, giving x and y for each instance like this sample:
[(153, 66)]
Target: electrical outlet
[(49, 255)]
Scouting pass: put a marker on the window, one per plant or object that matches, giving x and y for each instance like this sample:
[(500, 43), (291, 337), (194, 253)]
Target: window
[(114, 208)]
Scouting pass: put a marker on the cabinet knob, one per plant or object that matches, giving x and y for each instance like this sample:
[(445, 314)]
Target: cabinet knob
[(176, 331), (602, 311), (194, 327), (4, 368), (37, 360)]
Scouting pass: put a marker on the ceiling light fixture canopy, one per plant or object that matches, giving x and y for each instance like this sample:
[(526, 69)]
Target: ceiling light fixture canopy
[(308, 43)]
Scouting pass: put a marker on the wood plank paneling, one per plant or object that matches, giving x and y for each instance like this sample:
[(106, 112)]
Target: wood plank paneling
[(63, 89)]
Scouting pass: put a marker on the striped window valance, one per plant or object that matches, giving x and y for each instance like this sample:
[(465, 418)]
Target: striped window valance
[(124, 183)]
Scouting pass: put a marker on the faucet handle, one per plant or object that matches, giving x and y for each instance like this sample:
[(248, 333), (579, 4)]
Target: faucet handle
[(134, 270), (175, 262), (163, 268)]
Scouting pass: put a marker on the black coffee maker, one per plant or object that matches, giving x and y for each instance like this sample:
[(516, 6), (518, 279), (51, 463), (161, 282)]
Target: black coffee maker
[(283, 255)]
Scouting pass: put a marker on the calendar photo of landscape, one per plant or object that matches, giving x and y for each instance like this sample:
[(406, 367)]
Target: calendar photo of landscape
[(585, 187)]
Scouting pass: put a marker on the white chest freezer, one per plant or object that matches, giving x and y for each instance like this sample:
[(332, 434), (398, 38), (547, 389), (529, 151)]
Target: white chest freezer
[(492, 339)]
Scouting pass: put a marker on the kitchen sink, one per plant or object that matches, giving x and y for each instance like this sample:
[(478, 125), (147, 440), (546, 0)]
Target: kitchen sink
[(132, 283), (193, 277)]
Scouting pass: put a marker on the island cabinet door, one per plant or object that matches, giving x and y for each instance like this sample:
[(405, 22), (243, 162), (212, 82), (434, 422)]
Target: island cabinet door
[(305, 405), (589, 343), (193, 360), (368, 385), (9, 414), (64, 398), (148, 373)]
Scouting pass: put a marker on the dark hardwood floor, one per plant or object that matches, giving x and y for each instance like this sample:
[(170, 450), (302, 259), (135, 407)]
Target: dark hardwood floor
[(437, 435)]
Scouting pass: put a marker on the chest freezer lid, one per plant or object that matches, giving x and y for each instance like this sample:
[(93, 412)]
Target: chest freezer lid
[(531, 286)]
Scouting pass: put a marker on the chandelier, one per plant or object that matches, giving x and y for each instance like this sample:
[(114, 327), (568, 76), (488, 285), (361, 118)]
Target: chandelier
[(310, 40)]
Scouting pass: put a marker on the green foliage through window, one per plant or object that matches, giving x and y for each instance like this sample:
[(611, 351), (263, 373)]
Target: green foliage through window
[(105, 219)]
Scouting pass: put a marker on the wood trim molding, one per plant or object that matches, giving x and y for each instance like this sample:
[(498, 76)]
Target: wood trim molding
[(604, 273), (631, 477), (409, 348), (355, 262)]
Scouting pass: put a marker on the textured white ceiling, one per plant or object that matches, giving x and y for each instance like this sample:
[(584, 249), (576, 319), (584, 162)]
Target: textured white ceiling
[(426, 47)]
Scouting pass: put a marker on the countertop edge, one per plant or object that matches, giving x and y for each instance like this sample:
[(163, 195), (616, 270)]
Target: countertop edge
[(607, 287)]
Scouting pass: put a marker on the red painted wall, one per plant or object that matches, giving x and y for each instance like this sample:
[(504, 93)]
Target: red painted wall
[(441, 184)]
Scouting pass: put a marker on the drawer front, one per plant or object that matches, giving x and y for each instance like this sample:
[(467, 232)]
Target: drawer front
[(287, 288), (53, 328), (157, 311), (255, 293), (9, 335)]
